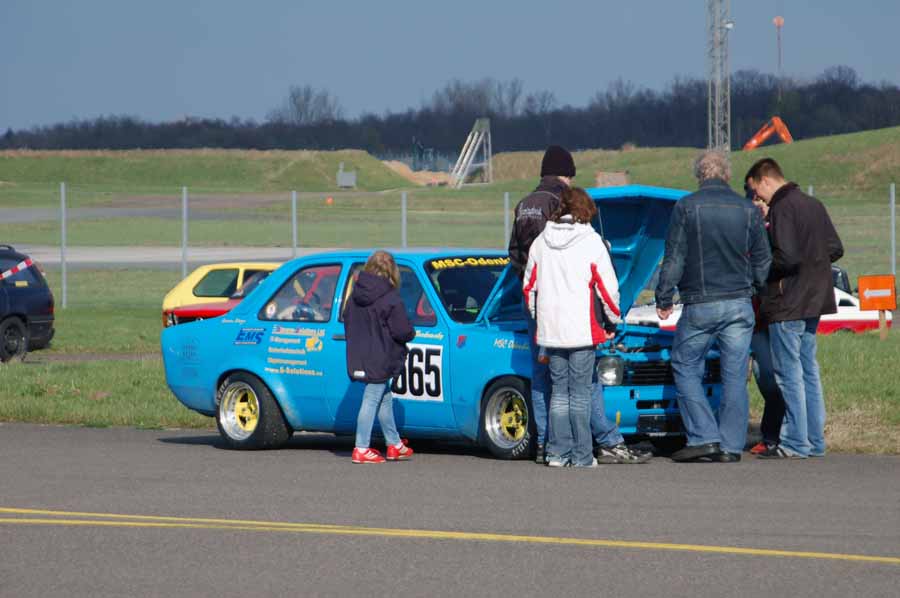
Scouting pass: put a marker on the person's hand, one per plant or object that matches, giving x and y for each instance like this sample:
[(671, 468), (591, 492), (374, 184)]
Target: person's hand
[(608, 335), (763, 207), (664, 313)]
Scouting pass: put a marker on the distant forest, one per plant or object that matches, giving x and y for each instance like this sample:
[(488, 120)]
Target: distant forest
[(834, 102)]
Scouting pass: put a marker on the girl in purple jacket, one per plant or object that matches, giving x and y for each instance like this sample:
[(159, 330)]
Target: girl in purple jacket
[(377, 330)]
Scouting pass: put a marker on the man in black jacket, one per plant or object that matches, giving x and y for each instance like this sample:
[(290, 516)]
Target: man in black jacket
[(800, 289), (531, 216)]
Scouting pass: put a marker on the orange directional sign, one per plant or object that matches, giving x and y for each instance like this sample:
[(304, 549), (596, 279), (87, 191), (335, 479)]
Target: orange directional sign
[(877, 292)]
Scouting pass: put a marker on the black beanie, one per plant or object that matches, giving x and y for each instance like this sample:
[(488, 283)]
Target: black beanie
[(557, 162)]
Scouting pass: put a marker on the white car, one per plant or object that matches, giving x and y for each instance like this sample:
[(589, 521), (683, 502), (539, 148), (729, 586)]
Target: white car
[(848, 317)]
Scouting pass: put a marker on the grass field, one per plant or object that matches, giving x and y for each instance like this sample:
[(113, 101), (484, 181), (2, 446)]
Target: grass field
[(118, 312), (241, 198)]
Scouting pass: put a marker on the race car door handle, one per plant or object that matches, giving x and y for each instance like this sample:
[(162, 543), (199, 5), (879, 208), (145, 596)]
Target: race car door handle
[(339, 337)]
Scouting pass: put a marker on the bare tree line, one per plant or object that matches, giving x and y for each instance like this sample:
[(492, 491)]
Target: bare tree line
[(836, 101)]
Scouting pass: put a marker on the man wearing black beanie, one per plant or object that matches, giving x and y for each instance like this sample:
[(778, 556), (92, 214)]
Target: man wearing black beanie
[(532, 213)]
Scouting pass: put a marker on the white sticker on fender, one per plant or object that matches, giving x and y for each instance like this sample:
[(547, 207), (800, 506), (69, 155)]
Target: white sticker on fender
[(423, 378)]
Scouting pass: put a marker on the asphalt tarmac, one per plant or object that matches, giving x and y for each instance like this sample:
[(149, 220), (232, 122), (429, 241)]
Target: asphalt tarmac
[(204, 521)]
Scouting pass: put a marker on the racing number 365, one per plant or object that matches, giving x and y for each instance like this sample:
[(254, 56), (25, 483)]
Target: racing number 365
[(421, 379)]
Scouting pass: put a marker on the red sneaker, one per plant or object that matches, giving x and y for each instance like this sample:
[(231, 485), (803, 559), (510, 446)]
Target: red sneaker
[(759, 447), (368, 455), (399, 454)]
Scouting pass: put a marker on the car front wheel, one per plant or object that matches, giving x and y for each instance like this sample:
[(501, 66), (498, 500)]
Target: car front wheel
[(13, 340), (507, 427), (247, 415)]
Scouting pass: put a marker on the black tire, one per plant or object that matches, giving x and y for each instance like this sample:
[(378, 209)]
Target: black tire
[(13, 340), (666, 445), (248, 416), (507, 420)]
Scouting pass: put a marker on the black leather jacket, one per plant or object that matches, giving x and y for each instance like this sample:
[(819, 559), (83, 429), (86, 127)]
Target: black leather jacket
[(716, 248), (804, 245), (532, 214)]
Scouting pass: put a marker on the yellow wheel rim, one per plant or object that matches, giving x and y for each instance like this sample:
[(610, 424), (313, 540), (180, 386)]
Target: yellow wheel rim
[(506, 418), (239, 411)]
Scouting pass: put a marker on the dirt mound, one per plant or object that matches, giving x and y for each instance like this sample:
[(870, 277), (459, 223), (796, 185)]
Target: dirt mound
[(419, 177)]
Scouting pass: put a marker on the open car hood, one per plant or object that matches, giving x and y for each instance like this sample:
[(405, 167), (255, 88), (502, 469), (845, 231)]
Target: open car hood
[(634, 219)]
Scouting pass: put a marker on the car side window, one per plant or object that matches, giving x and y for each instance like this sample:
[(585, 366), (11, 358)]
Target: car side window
[(307, 296), (418, 308), (26, 277), (217, 283)]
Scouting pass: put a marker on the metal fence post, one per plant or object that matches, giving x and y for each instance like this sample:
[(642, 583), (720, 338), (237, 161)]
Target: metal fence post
[(403, 220), (894, 229), (62, 245), (505, 219), (293, 224), (184, 231), (809, 190)]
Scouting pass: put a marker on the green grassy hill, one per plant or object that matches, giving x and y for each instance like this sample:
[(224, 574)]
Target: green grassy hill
[(231, 170), (854, 164)]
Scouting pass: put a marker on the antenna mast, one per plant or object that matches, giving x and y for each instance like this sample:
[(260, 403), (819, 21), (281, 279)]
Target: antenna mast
[(719, 24)]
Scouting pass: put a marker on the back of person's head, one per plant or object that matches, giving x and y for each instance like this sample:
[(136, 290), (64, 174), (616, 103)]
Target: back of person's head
[(381, 263), (712, 164), (575, 202), (557, 161), (767, 167)]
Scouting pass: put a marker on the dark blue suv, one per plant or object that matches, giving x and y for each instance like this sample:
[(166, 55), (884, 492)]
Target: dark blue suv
[(26, 306)]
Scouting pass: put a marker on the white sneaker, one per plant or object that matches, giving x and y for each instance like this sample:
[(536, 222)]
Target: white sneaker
[(592, 465), (557, 462)]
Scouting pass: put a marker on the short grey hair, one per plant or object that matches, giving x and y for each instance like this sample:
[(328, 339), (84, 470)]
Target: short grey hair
[(712, 164)]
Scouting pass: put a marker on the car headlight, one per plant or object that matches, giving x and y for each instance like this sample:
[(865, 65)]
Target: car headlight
[(610, 370)]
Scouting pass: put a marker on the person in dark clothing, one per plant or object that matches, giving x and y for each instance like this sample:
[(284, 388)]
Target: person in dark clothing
[(800, 290), (531, 216), (716, 255), (377, 330), (763, 372)]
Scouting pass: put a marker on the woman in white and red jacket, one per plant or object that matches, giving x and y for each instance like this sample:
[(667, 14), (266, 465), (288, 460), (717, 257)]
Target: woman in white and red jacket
[(572, 291)]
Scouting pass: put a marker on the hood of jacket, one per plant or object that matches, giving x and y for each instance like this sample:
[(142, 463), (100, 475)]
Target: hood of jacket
[(369, 288), (565, 234)]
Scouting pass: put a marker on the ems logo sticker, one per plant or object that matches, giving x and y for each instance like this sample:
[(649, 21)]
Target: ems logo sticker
[(250, 336), (313, 344)]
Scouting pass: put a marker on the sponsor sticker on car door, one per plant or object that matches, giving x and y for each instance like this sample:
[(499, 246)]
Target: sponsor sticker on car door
[(422, 378)]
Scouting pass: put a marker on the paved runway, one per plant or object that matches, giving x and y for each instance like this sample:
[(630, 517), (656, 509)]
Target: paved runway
[(305, 521)]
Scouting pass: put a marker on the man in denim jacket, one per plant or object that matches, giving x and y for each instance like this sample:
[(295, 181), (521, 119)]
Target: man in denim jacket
[(717, 255)]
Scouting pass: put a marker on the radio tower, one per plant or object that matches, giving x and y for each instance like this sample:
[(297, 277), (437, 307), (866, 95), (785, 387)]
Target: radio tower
[(719, 105)]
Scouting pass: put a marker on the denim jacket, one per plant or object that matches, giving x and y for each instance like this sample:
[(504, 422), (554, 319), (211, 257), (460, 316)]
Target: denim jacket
[(716, 248)]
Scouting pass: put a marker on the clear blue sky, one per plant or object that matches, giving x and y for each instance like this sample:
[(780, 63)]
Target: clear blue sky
[(164, 59)]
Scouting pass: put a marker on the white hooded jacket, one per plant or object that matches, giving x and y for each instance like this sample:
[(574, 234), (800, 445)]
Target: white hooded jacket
[(570, 286)]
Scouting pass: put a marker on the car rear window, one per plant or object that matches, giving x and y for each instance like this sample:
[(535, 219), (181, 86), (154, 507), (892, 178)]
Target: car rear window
[(217, 283), (27, 277)]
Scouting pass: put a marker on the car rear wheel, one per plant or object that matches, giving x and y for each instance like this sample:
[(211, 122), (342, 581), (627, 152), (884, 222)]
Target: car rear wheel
[(13, 340), (248, 416), (507, 427)]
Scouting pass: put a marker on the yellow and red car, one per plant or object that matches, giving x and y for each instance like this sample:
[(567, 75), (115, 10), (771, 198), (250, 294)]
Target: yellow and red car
[(212, 283)]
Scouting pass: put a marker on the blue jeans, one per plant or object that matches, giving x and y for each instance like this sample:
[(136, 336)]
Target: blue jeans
[(376, 398), (730, 324), (605, 432), (764, 373), (570, 399), (797, 373), (540, 385)]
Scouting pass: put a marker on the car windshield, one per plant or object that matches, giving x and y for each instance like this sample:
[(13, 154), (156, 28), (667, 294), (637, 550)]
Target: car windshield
[(249, 284), (464, 282)]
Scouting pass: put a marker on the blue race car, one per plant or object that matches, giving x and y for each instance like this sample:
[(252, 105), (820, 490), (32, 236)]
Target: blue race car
[(276, 363)]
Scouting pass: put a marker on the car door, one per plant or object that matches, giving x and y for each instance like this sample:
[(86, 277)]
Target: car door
[(422, 392), (299, 345)]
